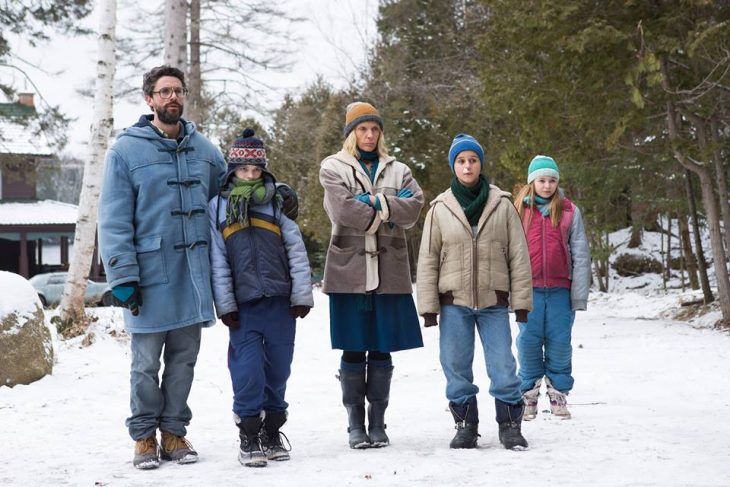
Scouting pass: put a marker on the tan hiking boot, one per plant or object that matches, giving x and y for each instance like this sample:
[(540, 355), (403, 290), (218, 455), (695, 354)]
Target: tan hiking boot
[(177, 449), (146, 454)]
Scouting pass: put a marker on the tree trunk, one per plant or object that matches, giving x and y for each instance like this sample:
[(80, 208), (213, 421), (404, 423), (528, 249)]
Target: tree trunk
[(689, 257), (699, 251), (708, 202), (72, 302), (721, 182), (176, 34), (195, 82)]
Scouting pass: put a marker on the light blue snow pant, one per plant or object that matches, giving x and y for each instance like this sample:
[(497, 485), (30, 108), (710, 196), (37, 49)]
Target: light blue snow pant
[(543, 344), (162, 405), (456, 332)]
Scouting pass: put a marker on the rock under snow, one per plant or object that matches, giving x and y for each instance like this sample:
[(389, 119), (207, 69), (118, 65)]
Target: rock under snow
[(26, 347)]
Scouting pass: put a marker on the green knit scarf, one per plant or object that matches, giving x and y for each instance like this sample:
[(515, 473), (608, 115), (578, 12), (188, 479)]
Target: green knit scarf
[(471, 200), (239, 200)]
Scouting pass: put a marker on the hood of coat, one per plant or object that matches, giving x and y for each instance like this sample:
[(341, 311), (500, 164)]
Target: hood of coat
[(143, 129), (448, 199), (346, 158)]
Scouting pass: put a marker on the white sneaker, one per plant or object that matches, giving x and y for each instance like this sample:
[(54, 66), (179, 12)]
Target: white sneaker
[(530, 400), (558, 401)]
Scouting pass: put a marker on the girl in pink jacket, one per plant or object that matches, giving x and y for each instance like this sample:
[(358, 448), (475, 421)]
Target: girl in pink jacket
[(561, 276)]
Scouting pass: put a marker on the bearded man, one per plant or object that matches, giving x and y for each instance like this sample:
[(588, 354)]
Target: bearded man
[(154, 239)]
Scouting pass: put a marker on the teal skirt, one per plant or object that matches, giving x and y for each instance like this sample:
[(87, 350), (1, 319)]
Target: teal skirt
[(374, 322)]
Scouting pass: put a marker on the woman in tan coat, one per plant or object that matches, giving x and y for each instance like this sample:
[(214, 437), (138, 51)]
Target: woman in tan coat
[(472, 265), (370, 199)]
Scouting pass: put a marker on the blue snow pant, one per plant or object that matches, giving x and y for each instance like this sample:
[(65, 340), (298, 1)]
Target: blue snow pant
[(156, 404), (543, 344), (456, 344), (260, 354)]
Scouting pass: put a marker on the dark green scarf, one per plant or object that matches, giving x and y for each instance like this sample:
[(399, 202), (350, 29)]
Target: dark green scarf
[(239, 199), (471, 200), (372, 158)]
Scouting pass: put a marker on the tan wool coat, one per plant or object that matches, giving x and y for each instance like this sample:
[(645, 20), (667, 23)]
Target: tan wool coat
[(475, 269), (367, 251)]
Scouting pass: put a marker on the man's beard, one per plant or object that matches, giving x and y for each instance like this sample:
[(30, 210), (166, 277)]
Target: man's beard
[(169, 118)]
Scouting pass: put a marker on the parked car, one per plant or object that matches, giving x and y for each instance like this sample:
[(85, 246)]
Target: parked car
[(50, 289)]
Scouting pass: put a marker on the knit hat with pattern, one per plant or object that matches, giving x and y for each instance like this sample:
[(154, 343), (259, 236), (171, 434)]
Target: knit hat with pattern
[(246, 150), (358, 112), (542, 166)]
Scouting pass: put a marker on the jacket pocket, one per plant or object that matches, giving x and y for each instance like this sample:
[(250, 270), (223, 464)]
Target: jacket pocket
[(151, 260), (499, 266)]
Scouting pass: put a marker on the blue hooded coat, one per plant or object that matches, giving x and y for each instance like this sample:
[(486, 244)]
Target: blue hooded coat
[(153, 224)]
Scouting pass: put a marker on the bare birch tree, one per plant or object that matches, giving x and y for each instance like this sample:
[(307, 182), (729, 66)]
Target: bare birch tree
[(72, 303), (176, 33)]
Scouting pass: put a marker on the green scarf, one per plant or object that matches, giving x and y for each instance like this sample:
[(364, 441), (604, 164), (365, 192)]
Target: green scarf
[(471, 200), (240, 196), (372, 158)]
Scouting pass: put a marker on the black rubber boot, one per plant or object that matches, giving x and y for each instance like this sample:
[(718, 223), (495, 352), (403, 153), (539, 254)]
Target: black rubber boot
[(353, 398), (251, 454), (509, 418), (466, 417), (271, 437), (378, 393)]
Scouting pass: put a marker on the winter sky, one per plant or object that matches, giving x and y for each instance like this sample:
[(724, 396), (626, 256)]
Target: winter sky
[(335, 37)]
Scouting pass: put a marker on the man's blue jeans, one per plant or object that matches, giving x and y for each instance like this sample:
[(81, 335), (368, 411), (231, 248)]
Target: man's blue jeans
[(543, 344), (162, 405), (457, 352)]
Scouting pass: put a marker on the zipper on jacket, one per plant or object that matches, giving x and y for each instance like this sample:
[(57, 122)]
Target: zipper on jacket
[(254, 257), (475, 270), (544, 253)]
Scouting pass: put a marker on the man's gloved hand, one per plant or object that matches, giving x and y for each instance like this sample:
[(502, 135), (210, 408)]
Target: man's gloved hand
[(127, 295), (429, 319), (299, 311), (230, 319), (364, 198), (289, 200), (404, 193)]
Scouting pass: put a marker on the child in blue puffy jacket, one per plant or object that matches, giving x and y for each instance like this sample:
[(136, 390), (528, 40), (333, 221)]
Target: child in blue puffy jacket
[(261, 284)]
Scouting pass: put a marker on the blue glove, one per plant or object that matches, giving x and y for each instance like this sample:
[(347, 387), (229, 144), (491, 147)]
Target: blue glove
[(127, 295), (404, 193), (364, 198)]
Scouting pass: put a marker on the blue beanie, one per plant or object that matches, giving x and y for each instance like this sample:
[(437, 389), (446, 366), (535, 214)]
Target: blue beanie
[(542, 166), (461, 143)]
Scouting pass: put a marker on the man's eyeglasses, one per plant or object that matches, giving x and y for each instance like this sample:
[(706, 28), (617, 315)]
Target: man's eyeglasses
[(166, 93)]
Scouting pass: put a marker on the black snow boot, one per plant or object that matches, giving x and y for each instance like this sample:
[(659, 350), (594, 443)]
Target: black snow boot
[(272, 439), (251, 453), (509, 418), (353, 398), (466, 417), (378, 393)]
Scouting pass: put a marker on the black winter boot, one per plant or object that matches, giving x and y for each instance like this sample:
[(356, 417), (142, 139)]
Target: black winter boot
[(509, 418), (466, 417), (251, 454), (378, 393), (271, 437), (353, 398)]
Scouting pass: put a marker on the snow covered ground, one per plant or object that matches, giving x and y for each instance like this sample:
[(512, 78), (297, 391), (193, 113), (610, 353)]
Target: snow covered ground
[(648, 410)]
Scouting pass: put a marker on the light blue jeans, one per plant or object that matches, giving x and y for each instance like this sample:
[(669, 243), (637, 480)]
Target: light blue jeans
[(162, 405), (456, 332), (543, 344)]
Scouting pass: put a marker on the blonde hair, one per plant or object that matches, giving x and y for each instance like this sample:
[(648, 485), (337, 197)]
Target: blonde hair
[(350, 145), (528, 191)]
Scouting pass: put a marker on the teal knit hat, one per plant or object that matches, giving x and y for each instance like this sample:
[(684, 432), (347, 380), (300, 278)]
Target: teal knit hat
[(542, 166)]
